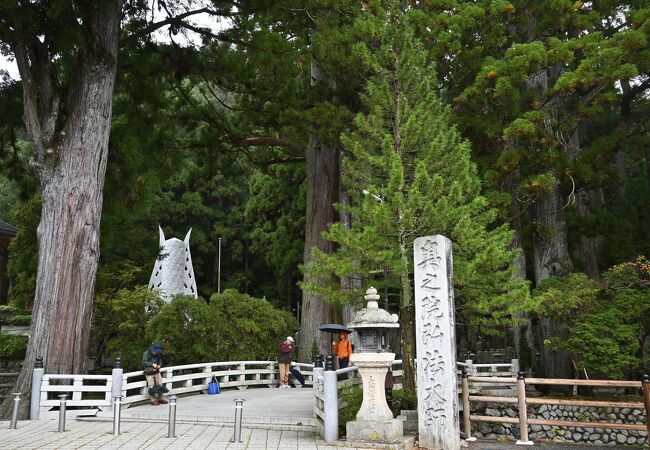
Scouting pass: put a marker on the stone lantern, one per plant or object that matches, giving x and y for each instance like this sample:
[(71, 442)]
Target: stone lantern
[(375, 420)]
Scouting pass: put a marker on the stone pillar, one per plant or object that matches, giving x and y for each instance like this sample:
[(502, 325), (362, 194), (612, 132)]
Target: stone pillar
[(116, 385), (437, 387), (37, 380), (375, 420)]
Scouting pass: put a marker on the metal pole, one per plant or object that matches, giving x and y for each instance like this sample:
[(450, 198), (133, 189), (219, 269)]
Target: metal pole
[(62, 407), (523, 413), (172, 417), (239, 407), (219, 270), (14, 413), (117, 412)]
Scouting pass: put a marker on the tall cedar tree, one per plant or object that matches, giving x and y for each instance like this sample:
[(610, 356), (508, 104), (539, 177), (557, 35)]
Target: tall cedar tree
[(416, 170)]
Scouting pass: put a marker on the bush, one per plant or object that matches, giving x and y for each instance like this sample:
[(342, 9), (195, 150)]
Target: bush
[(231, 327), (402, 399), (352, 397), (602, 324), (12, 346), (120, 322)]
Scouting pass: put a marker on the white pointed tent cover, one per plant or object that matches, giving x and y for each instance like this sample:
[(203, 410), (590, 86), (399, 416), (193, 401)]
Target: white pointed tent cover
[(173, 273)]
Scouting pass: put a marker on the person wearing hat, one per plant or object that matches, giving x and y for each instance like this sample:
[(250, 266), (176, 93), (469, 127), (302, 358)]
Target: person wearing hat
[(151, 363), (284, 361)]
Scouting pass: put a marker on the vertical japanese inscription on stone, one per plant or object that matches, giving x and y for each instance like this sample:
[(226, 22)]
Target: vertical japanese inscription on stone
[(435, 344)]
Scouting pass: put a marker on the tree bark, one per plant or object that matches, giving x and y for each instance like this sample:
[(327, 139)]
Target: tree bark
[(588, 202), (407, 323), (322, 166), (516, 214), (322, 190), (71, 166), (551, 258)]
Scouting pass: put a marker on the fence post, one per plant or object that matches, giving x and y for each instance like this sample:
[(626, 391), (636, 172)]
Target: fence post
[(331, 404), (514, 367), (470, 367), (242, 377), (523, 412), (646, 400), (467, 425), (116, 387), (317, 382), (37, 380)]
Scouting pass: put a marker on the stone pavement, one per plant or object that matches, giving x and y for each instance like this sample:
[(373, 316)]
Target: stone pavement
[(140, 435), (282, 407), (152, 435)]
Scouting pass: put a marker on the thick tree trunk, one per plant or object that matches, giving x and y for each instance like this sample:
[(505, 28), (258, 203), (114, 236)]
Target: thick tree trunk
[(522, 332), (72, 179), (407, 324), (588, 203), (551, 258), (322, 189)]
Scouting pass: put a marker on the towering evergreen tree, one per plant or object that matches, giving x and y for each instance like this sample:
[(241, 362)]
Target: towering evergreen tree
[(419, 180)]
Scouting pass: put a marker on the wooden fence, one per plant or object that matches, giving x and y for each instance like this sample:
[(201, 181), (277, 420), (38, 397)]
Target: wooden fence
[(522, 401)]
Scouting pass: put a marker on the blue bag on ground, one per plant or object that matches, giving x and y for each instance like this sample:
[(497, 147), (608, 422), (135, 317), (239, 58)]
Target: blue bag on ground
[(213, 386)]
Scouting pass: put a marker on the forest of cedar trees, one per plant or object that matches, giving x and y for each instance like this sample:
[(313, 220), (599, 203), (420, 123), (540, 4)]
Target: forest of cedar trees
[(306, 144)]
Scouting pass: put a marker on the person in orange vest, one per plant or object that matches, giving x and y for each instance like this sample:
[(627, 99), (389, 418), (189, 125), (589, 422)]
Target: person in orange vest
[(343, 349)]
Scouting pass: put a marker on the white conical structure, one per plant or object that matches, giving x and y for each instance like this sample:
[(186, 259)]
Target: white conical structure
[(173, 273)]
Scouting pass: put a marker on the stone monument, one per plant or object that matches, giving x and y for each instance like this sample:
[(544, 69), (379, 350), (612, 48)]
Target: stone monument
[(437, 387), (375, 421), (173, 273)]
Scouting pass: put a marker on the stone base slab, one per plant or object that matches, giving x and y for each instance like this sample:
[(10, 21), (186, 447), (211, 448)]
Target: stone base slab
[(403, 443), (375, 431)]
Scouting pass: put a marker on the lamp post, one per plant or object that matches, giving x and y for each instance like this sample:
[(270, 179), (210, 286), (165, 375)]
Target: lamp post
[(219, 270), (375, 420)]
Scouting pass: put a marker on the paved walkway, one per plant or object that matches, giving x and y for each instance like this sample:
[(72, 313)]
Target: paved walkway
[(140, 435), (290, 407), (147, 435)]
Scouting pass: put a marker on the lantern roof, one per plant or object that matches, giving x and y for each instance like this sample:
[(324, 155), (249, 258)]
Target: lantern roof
[(372, 316)]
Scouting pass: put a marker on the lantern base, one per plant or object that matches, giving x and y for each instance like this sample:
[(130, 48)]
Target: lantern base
[(375, 430)]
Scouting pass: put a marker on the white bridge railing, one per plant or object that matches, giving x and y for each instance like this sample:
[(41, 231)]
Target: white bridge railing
[(88, 393), (195, 377)]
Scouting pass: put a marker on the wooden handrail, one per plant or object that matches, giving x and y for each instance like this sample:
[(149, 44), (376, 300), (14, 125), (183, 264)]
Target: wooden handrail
[(572, 382), (523, 401), (571, 423)]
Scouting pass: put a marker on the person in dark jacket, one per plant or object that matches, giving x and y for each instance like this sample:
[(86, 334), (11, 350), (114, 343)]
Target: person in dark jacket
[(151, 364), (284, 361)]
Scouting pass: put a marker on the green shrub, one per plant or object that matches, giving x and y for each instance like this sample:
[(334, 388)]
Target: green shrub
[(119, 324), (402, 399), (12, 346), (231, 327), (18, 319), (352, 397)]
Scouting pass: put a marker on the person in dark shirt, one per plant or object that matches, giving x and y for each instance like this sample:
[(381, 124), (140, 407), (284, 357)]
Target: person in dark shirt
[(284, 361), (151, 364)]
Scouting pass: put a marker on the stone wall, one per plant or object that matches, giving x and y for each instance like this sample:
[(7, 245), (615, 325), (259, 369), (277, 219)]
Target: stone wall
[(564, 434)]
